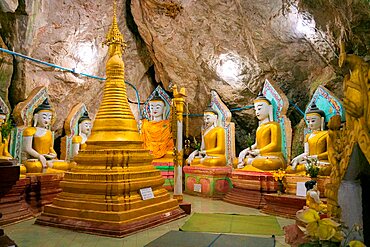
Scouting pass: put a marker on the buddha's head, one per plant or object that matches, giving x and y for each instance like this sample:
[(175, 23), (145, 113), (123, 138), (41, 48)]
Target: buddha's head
[(263, 108), (210, 117), (2, 117), (311, 185), (43, 115), (157, 108), (84, 124), (315, 118)]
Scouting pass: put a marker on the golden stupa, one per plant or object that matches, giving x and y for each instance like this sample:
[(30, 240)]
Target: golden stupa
[(102, 193)]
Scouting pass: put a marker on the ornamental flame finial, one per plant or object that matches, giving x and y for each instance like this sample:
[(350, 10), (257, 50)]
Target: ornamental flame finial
[(114, 36)]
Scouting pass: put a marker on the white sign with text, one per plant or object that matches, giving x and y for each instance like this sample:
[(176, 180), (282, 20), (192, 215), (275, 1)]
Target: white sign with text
[(146, 193), (301, 189), (198, 188)]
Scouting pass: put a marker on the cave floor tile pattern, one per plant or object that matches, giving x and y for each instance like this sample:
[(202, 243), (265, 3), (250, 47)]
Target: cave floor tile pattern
[(27, 234)]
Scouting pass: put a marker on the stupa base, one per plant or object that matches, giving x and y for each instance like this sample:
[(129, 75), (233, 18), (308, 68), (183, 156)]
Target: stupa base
[(250, 187), (107, 228)]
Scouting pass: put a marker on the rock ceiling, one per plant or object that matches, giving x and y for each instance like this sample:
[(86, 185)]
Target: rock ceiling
[(227, 45)]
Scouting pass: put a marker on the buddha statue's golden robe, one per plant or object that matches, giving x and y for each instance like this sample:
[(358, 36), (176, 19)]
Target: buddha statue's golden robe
[(317, 145), (268, 139), (43, 145), (78, 140), (214, 145), (4, 153), (312, 204), (157, 137)]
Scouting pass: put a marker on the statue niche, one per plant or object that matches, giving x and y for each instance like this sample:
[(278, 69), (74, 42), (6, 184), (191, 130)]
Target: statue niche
[(315, 144), (77, 127), (322, 107), (213, 145), (4, 141), (156, 128), (266, 153), (34, 142)]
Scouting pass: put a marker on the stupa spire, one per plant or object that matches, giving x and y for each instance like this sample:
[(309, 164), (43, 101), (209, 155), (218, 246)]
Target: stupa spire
[(114, 35), (114, 122)]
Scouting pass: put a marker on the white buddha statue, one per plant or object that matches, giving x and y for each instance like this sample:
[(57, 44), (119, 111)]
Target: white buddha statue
[(265, 154), (212, 153), (315, 144), (84, 131), (38, 142)]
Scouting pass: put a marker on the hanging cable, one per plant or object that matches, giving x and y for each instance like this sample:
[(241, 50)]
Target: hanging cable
[(136, 91), (70, 70)]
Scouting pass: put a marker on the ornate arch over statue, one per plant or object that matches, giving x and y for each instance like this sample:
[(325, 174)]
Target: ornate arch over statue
[(72, 130), (159, 91), (280, 105), (23, 117), (224, 120)]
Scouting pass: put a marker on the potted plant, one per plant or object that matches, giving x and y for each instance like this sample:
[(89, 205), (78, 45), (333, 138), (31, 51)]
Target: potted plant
[(279, 176)]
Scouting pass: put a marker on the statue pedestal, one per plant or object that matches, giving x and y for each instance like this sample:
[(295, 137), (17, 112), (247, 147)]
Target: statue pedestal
[(43, 188), (167, 172), (291, 183), (249, 188), (207, 181), (283, 205), (13, 205)]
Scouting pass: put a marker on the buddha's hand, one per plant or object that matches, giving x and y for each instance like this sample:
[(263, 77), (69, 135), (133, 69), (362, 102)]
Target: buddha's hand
[(254, 152), (50, 156), (295, 162), (242, 155), (191, 156), (241, 165), (43, 160), (311, 157)]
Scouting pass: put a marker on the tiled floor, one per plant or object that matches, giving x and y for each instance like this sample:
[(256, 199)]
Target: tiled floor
[(26, 234)]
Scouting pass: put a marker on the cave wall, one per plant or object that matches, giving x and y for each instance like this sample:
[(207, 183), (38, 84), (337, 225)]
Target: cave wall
[(227, 45), (70, 34)]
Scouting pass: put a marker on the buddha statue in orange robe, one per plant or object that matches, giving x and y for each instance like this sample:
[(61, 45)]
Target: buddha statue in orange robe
[(84, 130), (212, 153), (265, 154), (315, 145), (156, 132)]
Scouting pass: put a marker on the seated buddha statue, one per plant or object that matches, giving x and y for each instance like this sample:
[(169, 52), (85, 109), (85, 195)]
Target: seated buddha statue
[(265, 154), (38, 142), (315, 145), (313, 197), (4, 143), (156, 132), (84, 130), (212, 153)]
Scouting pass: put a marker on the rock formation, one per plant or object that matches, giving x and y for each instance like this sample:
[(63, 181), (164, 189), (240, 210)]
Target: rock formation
[(230, 46)]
